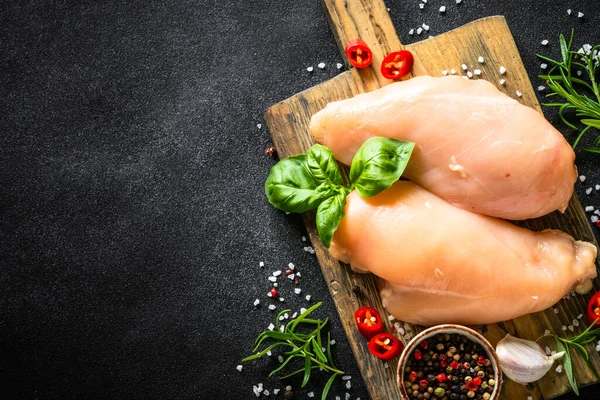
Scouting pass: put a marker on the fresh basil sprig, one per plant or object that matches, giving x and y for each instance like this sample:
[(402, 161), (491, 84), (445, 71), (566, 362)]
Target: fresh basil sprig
[(313, 181)]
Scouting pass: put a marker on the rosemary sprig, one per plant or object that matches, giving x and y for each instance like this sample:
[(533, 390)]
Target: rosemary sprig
[(299, 345), (561, 81), (577, 342)]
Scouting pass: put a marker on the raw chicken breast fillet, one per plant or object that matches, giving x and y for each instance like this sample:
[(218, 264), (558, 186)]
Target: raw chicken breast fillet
[(440, 264), (476, 147)]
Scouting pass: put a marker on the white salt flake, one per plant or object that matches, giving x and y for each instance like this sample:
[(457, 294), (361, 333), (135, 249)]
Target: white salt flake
[(310, 69), (419, 30), (332, 342), (281, 299), (559, 369), (547, 332), (555, 311), (579, 73), (272, 278), (266, 392), (280, 358), (580, 316), (275, 284), (275, 391), (580, 14), (569, 11), (291, 276), (445, 72), (291, 266), (564, 328), (548, 351), (443, 9), (481, 60), (519, 94), (425, 27), (502, 70), (544, 42), (256, 302), (288, 388), (411, 31), (347, 396), (391, 317), (534, 297), (582, 178), (464, 67), (541, 88), (594, 218), (308, 297), (597, 187), (589, 209), (469, 74), (338, 66), (239, 368), (297, 290), (598, 348), (348, 385), (502, 81), (346, 377), (310, 394), (575, 322), (421, 5), (269, 352), (276, 273), (543, 65), (302, 310), (304, 237), (588, 190), (321, 65), (261, 264), (271, 327), (477, 72), (458, 1), (272, 307), (453, 71), (571, 328)]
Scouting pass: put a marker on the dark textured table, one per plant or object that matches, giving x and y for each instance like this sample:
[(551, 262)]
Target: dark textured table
[(132, 212)]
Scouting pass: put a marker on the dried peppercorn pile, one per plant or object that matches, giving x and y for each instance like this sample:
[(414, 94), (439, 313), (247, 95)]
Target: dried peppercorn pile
[(449, 367)]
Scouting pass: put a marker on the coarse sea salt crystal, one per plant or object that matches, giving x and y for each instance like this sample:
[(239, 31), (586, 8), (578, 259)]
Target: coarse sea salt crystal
[(481, 60), (425, 26), (469, 74), (580, 14), (453, 71), (555, 311), (280, 358), (266, 392), (544, 42), (564, 328), (348, 385), (519, 94), (502, 81), (569, 11), (575, 322), (579, 73), (464, 67), (571, 328), (443, 9), (445, 72), (275, 391), (311, 394), (582, 178), (589, 209), (458, 1), (291, 276), (261, 264), (597, 187), (271, 327), (310, 69), (332, 342), (338, 66), (580, 316), (272, 278), (321, 65), (259, 126), (548, 351), (239, 368), (588, 190), (288, 388), (502, 70), (276, 273), (477, 72), (543, 65), (419, 30), (297, 290), (411, 31), (302, 310), (346, 377), (594, 218), (421, 5), (272, 307), (391, 317), (256, 302), (347, 395), (559, 369), (307, 297), (291, 266), (281, 299), (547, 332)]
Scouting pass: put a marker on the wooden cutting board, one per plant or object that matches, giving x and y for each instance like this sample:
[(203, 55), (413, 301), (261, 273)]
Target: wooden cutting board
[(288, 122)]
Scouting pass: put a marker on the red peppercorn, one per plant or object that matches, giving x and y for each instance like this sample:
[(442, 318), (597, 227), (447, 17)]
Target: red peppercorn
[(477, 380), (273, 292), (480, 360), (288, 272), (444, 364), (440, 378), (442, 357), (455, 365), (598, 223), (471, 385), (418, 355), (425, 344), (412, 376), (423, 383)]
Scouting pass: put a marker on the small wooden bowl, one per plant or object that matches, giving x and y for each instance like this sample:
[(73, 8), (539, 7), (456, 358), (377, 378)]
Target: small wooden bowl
[(474, 336)]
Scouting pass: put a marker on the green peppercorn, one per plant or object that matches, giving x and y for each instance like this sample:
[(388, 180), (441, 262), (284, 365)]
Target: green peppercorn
[(484, 385), (486, 396), (470, 394), (449, 369), (474, 356), (491, 382), (487, 362), (440, 392)]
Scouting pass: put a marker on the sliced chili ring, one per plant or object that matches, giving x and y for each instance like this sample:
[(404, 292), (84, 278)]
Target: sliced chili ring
[(385, 346), (368, 321), (358, 53), (593, 310), (397, 64)]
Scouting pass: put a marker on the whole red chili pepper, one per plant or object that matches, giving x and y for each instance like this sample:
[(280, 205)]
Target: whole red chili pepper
[(593, 310), (397, 64), (368, 321), (358, 53), (386, 346)]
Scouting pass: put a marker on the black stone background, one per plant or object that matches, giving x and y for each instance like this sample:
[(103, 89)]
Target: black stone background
[(132, 213)]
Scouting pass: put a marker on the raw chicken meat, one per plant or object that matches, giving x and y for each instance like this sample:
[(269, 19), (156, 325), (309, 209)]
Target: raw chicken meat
[(440, 264), (476, 148)]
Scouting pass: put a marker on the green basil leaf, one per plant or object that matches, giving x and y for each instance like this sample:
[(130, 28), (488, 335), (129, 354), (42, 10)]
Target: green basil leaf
[(291, 186), (378, 164), (329, 215), (322, 165)]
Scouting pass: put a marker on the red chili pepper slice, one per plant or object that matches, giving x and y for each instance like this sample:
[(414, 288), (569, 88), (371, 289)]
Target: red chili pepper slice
[(358, 53), (368, 321), (385, 346), (397, 64), (593, 310)]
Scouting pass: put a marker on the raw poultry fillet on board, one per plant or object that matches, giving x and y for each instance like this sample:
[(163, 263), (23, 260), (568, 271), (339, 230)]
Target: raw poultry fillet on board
[(477, 148), (441, 264)]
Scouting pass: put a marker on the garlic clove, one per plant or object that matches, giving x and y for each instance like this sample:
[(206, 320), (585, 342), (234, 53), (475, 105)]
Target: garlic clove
[(524, 361)]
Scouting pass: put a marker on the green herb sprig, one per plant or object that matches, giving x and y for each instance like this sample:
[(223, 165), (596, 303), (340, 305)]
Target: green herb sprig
[(561, 81), (313, 181), (308, 347), (578, 342)]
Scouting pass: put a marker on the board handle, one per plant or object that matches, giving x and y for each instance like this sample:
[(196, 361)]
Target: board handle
[(370, 21)]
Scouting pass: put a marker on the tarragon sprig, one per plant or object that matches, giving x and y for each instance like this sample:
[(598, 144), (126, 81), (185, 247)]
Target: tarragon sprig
[(561, 81), (308, 347)]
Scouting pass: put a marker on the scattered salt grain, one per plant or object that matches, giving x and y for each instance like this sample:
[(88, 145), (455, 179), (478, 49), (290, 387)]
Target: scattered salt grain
[(543, 65), (556, 311), (266, 392), (280, 358), (297, 290), (338, 398), (308, 297), (261, 264), (502, 81), (275, 391), (580, 14), (338, 66), (541, 88), (597, 187), (391, 317), (443, 9), (347, 396), (346, 377), (269, 353), (424, 1), (548, 351), (464, 67), (534, 297), (256, 302), (588, 190), (304, 237), (469, 74), (458, 1), (291, 266), (294, 315), (547, 332), (276, 273), (477, 72), (564, 328), (481, 60), (598, 348), (302, 310), (559, 369), (580, 316), (425, 27), (594, 218), (421, 5), (575, 322), (348, 385), (502, 70), (453, 71), (239, 368), (419, 30), (298, 274), (411, 31), (569, 11), (271, 326), (589, 209), (445, 72), (321, 65), (281, 299), (311, 394), (272, 307), (519, 94), (529, 397), (571, 328), (579, 73), (582, 178), (310, 69), (259, 126), (288, 388), (291, 277), (275, 284), (544, 42)]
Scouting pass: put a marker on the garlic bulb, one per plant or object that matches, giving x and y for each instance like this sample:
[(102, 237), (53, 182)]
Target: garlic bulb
[(524, 361)]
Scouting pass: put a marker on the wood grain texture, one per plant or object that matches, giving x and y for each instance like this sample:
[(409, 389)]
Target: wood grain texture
[(288, 122)]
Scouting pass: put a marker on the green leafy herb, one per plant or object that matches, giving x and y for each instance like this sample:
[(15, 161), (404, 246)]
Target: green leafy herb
[(577, 342), (573, 89), (300, 346), (378, 164), (313, 181)]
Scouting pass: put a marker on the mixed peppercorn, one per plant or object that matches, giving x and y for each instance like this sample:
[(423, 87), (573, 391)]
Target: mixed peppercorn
[(449, 367)]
